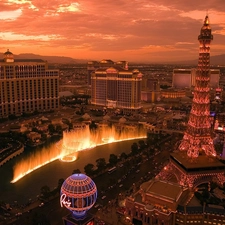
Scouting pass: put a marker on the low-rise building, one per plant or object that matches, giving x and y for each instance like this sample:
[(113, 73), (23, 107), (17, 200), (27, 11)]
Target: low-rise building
[(167, 203)]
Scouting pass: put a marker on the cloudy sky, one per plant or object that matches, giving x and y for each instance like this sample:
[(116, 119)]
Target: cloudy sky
[(131, 30)]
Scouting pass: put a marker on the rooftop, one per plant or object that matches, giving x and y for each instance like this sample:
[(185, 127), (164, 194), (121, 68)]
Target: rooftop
[(201, 163), (167, 190), (26, 60), (65, 94)]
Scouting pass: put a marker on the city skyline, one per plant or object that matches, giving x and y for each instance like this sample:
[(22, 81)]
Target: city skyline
[(137, 31)]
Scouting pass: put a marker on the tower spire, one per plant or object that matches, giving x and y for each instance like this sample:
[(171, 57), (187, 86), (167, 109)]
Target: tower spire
[(206, 22)]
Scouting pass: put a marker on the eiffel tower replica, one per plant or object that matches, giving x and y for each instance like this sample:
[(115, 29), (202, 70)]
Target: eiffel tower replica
[(194, 161)]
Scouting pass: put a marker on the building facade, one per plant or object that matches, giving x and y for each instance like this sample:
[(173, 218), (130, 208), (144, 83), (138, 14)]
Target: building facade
[(105, 63), (185, 78), (152, 205), (182, 78), (116, 87), (150, 90), (27, 86), (173, 93)]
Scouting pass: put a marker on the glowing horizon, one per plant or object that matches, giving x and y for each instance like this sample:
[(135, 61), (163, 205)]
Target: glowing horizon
[(72, 143), (136, 32)]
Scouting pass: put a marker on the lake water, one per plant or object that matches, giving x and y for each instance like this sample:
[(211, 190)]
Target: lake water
[(29, 186)]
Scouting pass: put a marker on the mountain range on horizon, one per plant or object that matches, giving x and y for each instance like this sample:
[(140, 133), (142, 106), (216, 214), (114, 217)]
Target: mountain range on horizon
[(214, 60)]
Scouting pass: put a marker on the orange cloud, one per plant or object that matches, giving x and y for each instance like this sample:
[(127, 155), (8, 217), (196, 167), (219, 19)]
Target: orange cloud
[(130, 30)]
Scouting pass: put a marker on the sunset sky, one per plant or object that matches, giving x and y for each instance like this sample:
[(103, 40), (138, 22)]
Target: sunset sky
[(131, 30)]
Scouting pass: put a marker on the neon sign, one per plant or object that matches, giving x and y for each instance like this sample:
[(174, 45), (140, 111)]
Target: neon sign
[(64, 202)]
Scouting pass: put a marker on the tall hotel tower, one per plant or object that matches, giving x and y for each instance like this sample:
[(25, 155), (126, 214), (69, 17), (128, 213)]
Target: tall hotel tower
[(116, 87), (27, 85)]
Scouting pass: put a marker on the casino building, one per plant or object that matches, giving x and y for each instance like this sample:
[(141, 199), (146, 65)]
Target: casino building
[(116, 87), (27, 85), (105, 63)]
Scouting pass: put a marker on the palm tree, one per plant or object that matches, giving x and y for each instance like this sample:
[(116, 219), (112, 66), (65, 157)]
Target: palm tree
[(89, 169), (76, 171), (113, 159), (101, 164), (134, 148), (45, 192), (123, 156)]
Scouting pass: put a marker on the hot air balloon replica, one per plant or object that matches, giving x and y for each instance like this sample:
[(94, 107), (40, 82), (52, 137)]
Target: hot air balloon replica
[(78, 194)]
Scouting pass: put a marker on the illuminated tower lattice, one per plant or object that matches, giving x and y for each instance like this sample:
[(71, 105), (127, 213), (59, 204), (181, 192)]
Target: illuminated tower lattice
[(194, 162), (198, 134)]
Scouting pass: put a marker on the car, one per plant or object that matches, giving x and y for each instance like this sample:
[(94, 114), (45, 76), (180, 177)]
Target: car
[(96, 206), (41, 204)]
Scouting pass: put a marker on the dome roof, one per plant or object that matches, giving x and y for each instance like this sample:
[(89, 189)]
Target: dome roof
[(106, 117), (78, 184), (122, 120), (86, 116), (8, 56), (78, 194), (8, 52)]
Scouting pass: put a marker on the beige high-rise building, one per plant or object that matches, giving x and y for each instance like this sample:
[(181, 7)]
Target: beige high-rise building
[(105, 63), (116, 87), (27, 85)]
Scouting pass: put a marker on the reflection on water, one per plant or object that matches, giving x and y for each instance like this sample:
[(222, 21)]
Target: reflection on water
[(30, 185), (72, 143)]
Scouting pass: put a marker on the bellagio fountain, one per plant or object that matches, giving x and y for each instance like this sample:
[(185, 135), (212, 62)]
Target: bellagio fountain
[(79, 139)]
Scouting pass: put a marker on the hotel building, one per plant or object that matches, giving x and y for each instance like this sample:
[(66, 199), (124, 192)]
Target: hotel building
[(116, 87), (27, 85), (150, 90), (105, 63), (182, 78)]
